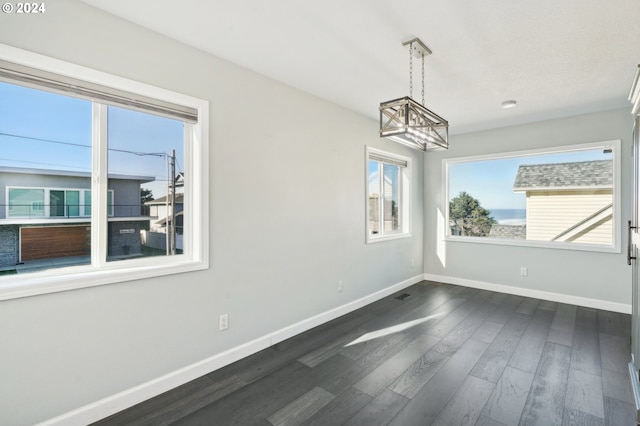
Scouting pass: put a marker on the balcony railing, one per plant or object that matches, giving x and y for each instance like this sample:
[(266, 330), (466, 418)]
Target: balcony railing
[(37, 211)]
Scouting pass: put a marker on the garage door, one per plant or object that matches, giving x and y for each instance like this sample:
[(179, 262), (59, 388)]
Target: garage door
[(48, 242)]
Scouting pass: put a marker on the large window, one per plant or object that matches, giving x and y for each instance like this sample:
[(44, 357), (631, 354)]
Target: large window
[(387, 196), (567, 197), (81, 163)]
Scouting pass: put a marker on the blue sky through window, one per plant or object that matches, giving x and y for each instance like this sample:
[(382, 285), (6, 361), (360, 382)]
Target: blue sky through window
[(491, 181), (45, 130)]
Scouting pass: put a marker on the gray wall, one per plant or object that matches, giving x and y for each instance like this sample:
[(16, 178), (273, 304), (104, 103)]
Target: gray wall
[(126, 197), (603, 276), (287, 222)]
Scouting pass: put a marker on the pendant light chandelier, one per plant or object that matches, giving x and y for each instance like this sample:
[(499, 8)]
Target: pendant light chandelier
[(408, 122)]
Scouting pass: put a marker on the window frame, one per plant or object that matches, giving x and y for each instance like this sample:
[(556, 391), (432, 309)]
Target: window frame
[(9, 205), (615, 247), (405, 196), (196, 198)]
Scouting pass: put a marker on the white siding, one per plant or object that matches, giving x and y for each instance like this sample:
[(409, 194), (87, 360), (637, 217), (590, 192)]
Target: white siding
[(600, 234), (549, 213)]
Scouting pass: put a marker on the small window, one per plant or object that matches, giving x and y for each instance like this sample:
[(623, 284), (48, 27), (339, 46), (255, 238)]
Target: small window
[(72, 203), (387, 196), (87, 203), (567, 197), (110, 203), (57, 204), (26, 202)]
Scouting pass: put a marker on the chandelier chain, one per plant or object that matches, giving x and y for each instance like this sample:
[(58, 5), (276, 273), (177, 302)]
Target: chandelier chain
[(411, 70), (423, 78)]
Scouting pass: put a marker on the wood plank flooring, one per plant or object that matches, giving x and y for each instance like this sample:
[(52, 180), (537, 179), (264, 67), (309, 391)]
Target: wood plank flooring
[(445, 355)]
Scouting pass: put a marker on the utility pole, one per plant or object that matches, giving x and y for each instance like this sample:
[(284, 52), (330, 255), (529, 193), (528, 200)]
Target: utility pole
[(167, 241), (173, 202)]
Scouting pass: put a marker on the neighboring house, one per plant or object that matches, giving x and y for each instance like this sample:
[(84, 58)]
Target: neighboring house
[(568, 201), (160, 209), (390, 209), (46, 214), (160, 212)]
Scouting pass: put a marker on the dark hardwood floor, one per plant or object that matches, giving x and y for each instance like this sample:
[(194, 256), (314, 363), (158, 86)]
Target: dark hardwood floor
[(445, 355)]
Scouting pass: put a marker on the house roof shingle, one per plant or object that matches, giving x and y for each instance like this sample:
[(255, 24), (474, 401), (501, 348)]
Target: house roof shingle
[(583, 174)]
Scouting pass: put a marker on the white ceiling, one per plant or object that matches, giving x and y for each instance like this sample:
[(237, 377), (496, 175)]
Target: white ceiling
[(555, 57)]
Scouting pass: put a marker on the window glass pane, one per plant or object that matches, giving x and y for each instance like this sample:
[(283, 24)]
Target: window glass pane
[(45, 143), (56, 203), (73, 203), (374, 197), (87, 203), (144, 172), (562, 197), (391, 189), (110, 207), (26, 202)]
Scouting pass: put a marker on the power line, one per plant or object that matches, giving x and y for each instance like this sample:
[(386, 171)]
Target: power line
[(156, 178), (138, 153), (46, 164), (12, 160)]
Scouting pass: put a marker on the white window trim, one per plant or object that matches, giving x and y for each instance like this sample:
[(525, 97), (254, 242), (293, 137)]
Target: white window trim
[(616, 247), (405, 191), (100, 272)]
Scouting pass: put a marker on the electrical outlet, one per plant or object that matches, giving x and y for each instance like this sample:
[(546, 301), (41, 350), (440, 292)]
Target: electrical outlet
[(224, 322), (523, 271), (340, 287), (412, 264)]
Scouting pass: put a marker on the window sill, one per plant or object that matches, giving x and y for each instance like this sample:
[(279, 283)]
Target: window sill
[(371, 240), (16, 286)]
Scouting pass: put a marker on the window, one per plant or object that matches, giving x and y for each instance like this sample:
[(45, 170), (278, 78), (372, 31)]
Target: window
[(82, 162), (87, 203), (62, 202), (26, 202), (567, 197), (387, 196)]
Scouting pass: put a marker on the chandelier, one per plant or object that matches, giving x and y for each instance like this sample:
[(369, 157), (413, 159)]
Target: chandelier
[(408, 122)]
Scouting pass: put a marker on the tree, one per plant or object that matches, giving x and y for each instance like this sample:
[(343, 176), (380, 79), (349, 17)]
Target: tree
[(466, 213), (145, 196)]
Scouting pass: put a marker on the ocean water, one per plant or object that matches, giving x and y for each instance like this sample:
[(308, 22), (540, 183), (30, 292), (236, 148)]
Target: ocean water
[(509, 216)]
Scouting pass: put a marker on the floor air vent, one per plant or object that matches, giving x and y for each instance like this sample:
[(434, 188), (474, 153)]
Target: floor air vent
[(403, 296)]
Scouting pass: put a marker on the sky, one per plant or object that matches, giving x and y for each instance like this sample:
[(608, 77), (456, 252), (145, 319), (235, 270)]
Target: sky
[(44, 130), (491, 181)]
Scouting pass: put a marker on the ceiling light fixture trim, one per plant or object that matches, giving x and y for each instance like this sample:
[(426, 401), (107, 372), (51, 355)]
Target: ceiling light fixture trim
[(406, 121), (509, 104)]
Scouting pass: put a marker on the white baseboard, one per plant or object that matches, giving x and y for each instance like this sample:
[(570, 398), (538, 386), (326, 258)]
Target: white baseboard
[(538, 294), (314, 321), (130, 397)]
